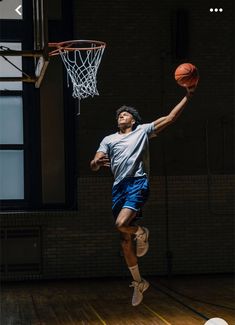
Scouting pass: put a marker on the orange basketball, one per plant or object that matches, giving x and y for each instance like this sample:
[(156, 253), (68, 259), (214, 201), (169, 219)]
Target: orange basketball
[(186, 75)]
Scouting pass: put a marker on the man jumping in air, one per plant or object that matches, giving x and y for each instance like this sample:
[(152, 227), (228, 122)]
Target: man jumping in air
[(127, 153)]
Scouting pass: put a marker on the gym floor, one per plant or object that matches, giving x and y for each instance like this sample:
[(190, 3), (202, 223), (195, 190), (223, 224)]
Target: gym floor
[(180, 300)]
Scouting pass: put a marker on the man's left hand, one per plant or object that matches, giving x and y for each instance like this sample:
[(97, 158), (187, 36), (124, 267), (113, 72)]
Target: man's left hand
[(191, 90)]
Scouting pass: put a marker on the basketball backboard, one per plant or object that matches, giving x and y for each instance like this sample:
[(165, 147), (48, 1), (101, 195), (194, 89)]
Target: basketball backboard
[(40, 17)]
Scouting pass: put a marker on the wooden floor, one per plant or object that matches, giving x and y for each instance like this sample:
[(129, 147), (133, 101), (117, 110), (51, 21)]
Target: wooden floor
[(182, 300)]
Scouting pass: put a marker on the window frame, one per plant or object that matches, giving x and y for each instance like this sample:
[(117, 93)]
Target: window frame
[(15, 202), (19, 31)]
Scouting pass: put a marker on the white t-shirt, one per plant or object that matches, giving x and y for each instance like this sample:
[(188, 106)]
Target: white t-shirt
[(128, 153)]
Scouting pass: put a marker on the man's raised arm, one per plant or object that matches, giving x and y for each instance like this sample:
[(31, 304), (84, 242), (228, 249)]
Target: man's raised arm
[(164, 121)]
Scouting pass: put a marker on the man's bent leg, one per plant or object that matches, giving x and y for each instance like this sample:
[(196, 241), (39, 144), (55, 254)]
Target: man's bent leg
[(128, 249), (123, 221)]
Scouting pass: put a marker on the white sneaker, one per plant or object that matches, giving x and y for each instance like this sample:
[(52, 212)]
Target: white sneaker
[(139, 288), (142, 244)]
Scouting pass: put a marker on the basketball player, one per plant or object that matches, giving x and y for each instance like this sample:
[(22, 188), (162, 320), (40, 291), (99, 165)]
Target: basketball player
[(127, 153)]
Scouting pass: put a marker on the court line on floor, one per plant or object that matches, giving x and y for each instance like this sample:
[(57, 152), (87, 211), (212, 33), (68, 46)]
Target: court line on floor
[(193, 298), (156, 314), (36, 310), (96, 313), (179, 301)]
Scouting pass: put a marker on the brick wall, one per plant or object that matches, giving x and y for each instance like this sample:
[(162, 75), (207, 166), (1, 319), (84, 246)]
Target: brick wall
[(137, 70), (85, 243)]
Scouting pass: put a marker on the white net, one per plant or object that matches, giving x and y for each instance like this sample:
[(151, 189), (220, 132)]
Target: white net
[(82, 66)]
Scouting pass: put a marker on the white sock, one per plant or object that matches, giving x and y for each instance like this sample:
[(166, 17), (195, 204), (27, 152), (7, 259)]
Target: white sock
[(135, 273), (139, 231)]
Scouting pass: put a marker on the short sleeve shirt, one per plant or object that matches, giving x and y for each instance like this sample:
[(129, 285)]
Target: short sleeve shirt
[(128, 153)]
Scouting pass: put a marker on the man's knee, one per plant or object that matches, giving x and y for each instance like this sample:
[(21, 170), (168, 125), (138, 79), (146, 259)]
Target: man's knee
[(120, 225), (124, 219)]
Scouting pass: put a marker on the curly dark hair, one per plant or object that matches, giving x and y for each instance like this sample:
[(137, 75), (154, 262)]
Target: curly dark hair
[(130, 110)]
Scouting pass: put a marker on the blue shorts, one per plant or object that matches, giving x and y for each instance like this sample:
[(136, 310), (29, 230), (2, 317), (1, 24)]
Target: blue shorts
[(132, 193)]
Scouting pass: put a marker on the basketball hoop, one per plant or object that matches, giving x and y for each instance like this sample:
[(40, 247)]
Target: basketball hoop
[(81, 59)]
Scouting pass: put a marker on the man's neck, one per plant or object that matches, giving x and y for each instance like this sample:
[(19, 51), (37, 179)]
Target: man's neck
[(125, 130)]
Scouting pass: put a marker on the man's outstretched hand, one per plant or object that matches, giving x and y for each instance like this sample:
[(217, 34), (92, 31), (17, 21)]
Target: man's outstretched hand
[(191, 90), (102, 161)]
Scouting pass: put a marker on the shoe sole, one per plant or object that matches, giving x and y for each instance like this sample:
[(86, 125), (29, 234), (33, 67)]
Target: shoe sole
[(147, 245)]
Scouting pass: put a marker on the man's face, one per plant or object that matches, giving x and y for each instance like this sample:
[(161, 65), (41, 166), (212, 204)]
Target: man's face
[(125, 119)]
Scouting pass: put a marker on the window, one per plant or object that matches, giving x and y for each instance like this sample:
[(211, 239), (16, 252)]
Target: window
[(11, 148), (11, 120), (19, 113), (8, 70), (25, 166), (11, 128)]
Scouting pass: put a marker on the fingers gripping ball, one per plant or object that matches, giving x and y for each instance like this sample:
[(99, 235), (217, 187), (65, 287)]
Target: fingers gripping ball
[(186, 75)]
